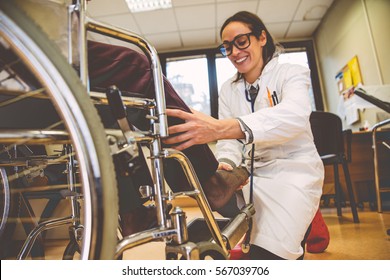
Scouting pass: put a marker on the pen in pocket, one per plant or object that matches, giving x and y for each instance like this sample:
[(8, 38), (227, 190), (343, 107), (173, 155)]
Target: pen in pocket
[(270, 98), (275, 98)]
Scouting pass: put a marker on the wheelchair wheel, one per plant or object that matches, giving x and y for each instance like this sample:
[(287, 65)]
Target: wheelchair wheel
[(207, 251), (43, 103), (210, 251), (5, 203), (8, 210), (71, 251)]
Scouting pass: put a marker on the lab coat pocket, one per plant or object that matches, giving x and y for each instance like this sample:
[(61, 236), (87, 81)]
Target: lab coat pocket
[(266, 169), (268, 154)]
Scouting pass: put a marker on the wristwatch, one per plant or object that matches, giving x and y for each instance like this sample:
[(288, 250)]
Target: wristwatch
[(246, 130)]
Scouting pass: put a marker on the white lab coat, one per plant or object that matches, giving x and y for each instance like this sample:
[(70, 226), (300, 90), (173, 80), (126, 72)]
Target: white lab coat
[(288, 172)]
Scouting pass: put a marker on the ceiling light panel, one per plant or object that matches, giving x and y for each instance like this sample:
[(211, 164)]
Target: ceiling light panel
[(138, 6)]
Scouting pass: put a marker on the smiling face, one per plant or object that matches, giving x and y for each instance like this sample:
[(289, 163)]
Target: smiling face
[(249, 62)]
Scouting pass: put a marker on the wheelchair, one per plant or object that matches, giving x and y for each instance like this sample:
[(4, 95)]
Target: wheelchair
[(49, 125)]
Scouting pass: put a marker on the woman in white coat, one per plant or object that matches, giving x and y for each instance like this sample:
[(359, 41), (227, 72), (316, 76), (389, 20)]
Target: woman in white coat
[(265, 106)]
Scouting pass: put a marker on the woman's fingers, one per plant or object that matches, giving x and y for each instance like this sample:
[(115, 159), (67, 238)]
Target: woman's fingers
[(178, 138), (179, 128), (197, 128), (225, 166), (178, 114), (243, 185)]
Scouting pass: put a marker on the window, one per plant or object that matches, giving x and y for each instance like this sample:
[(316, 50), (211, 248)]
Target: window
[(225, 70), (201, 73), (189, 77), (298, 57), (298, 49)]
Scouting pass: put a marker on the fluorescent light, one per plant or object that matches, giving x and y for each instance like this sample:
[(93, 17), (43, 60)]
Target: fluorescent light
[(137, 6)]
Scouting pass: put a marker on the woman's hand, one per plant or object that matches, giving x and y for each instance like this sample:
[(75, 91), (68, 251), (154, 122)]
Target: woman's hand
[(225, 166), (228, 167), (200, 128)]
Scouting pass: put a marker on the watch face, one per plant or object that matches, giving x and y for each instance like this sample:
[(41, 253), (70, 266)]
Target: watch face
[(242, 126)]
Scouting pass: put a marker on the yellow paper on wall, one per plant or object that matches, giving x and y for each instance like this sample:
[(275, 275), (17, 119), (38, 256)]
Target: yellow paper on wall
[(347, 76), (354, 68)]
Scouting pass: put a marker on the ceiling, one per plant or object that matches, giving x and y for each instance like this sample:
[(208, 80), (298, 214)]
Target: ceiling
[(192, 24)]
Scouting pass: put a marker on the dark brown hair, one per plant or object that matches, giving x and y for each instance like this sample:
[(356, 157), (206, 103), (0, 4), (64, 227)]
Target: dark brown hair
[(256, 25)]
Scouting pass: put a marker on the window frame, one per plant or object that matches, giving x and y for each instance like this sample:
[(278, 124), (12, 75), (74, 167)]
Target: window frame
[(308, 46), (213, 53)]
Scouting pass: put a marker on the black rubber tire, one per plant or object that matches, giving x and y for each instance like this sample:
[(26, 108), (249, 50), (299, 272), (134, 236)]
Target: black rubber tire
[(70, 251), (9, 209), (210, 251), (72, 103)]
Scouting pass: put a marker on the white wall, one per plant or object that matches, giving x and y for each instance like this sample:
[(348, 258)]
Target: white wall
[(354, 27)]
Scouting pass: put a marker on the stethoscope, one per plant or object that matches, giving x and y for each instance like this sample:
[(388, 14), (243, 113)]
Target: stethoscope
[(250, 95)]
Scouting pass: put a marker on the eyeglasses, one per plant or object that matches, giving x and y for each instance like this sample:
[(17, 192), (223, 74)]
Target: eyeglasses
[(241, 42)]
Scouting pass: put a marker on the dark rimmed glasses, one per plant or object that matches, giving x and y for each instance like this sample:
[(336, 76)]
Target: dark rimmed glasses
[(241, 42)]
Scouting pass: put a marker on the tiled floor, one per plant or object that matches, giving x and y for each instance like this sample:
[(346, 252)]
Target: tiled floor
[(367, 240)]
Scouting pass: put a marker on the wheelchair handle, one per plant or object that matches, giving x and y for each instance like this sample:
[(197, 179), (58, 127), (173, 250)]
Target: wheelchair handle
[(114, 97)]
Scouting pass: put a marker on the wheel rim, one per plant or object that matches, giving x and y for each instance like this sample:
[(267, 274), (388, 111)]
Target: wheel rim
[(84, 140)]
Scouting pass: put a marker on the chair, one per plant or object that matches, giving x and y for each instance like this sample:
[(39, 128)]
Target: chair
[(378, 142), (329, 140)]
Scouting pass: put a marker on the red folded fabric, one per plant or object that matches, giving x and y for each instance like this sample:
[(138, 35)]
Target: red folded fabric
[(237, 254), (318, 239)]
